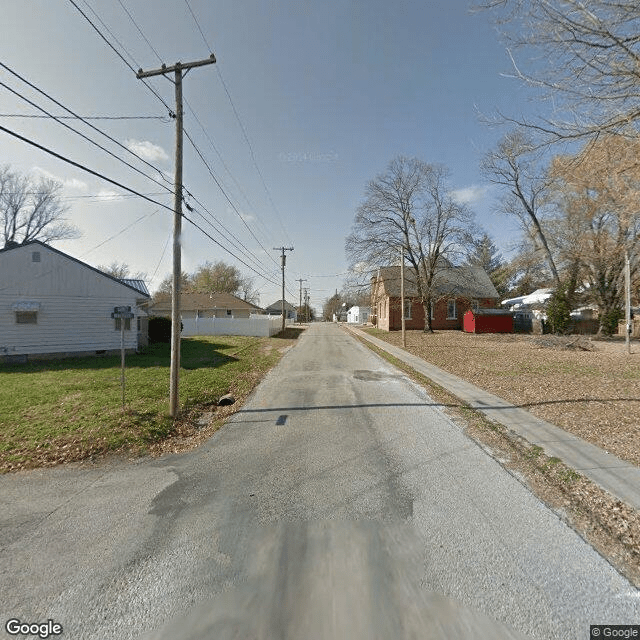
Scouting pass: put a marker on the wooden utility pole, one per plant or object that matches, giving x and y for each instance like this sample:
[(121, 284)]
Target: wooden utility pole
[(301, 280), (283, 263), (179, 70), (404, 337)]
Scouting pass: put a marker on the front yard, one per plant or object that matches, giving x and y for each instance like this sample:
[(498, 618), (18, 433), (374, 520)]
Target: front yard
[(594, 393), (60, 411)]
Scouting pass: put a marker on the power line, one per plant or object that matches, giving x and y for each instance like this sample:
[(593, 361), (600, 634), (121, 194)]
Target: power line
[(62, 106), (115, 235), (193, 15), (122, 186), (82, 167), (197, 226), (61, 117), (140, 31), (156, 94), (233, 206), (86, 17), (224, 164), (82, 135), (253, 157)]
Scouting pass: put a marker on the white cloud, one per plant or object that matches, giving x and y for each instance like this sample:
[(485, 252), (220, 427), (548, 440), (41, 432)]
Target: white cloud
[(108, 194), (470, 195), (67, 183), (147, 150)]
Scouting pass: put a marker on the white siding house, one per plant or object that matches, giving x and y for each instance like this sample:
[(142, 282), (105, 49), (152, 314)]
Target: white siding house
[(53, 305), (358, 315)]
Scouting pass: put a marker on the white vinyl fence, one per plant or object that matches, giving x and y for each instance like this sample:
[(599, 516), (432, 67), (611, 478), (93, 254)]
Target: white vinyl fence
[(254, 326)]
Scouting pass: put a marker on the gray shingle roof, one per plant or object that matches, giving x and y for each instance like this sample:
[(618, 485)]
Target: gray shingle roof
[(464, 281), (204, 301)]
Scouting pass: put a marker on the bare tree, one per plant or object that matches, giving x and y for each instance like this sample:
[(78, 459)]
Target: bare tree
[(164, 289), (410, 206), (513, 164), (583, 56), (31, 210), (121, 270), (215, 277), (597, 191)]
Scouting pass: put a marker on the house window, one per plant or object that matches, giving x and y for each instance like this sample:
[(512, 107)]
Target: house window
[(229, 313), (475, 305), (451, 310), (26, 317), (407, 309), (35, 256), (127, 324)]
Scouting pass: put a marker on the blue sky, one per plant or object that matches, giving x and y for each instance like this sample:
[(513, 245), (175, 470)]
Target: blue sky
[(327, 92)]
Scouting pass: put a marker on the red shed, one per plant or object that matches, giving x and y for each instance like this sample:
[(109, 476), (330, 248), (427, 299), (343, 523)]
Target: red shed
[(488, 321)]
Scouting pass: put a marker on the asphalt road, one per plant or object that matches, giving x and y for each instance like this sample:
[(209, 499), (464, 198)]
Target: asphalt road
[(340, 502)]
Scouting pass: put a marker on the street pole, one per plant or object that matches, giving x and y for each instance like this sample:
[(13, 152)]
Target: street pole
[(177, 69), (283, 263), (404, 337), (627, 304), (122, 382), (301, 280)]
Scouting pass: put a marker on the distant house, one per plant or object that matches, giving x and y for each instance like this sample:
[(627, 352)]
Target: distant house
[(358, 315), (535, 300), (208, 314), (275, 309), (456, 289), (206, 305), (54, 305)]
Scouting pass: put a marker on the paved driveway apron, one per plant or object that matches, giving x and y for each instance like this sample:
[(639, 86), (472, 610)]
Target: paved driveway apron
[(339, 502)]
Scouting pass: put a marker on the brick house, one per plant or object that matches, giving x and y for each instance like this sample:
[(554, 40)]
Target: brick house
[(456, 290)]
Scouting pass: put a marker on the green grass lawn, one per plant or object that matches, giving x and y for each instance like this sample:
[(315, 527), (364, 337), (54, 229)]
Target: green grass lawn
[(70, 409)]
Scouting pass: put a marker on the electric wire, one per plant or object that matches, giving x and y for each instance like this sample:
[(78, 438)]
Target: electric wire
[(224, 164), (62, 106), (61, 117), (85, 137), (171, 112), (146, 84), (236, 242), (122, 58), (253, 157), (35, 144), (233, 206), (193, 15), (237, 115), (166, 244), (115, 235), (195, 224), (140, 31), (122, 186)]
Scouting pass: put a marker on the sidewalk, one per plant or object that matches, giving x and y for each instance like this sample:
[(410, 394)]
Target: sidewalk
[(621, 479)]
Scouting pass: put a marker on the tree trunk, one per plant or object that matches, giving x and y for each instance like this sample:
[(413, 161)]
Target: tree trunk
[(426, 304)]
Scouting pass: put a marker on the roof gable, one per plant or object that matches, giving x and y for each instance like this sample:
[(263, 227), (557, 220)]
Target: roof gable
[(464, 281), (139, 287), (277, 306)]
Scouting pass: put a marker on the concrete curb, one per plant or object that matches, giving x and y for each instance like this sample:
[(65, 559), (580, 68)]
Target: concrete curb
[(620, 478)]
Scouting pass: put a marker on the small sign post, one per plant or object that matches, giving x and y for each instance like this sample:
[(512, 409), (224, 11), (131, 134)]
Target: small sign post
[(123, 313)]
